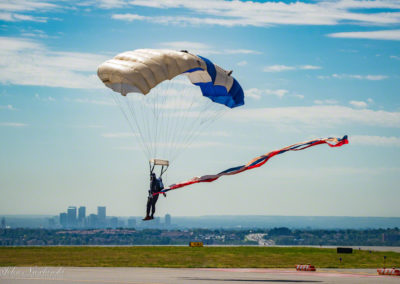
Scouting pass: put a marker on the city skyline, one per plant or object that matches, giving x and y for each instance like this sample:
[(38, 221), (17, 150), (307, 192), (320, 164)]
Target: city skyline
[(76, 218), (308, 69)]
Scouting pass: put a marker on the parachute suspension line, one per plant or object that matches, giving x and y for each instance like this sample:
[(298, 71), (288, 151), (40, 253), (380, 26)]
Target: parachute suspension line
[(117, 101), (155, 129), (176, 123), (162, 110), (135, 119), (140, 108), (133, 111), (185, 122), (168, 93), (193, 130), (166, 118), (217, 111), (190, 122), (189, 140)]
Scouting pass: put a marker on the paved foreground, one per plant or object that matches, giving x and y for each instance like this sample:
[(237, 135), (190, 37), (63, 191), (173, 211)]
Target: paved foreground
[(74, 275)]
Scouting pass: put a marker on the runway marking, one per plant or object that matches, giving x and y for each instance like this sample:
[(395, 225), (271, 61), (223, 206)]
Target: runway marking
[(326, 273)]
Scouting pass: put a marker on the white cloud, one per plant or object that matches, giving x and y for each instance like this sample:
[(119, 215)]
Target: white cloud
[(310, 67), (202, 48), (13, 17), (9, 7), (89, 101), (118, 135), (395, 57), (280, 68), (354, 76), (13, 124), (241, 51), (255, 93), (375, 140), (299, 96), (374, 77), (108, 4), (25, 5), (358, 104), (86, 126), (316, 116), (33, 33), (8, 107), (28, 62), (45, 99), (129, 17), (361, 104), (249, 13), (277, 68), (380, 35), (326, 102), (242, 63)]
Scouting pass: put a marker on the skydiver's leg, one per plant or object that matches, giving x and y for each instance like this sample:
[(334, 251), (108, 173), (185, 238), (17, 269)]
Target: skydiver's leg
[(148, 206), (155, 198)]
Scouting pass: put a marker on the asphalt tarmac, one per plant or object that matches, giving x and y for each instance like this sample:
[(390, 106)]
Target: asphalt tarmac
[(134, 275)]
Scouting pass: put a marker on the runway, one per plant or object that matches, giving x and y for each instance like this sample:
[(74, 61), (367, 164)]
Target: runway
[(134, 275)]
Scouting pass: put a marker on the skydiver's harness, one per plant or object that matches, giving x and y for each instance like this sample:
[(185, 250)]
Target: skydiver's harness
[(158, 186), (158, 181)]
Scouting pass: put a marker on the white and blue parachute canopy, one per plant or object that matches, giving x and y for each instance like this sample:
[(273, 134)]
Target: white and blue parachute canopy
[(139, 71)]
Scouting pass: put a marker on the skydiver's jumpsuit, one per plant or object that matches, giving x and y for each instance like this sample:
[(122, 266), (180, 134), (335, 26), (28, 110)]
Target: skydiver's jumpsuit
[(152, 200)]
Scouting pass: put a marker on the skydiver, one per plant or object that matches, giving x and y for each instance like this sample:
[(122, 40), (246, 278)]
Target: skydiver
[(156, 185)]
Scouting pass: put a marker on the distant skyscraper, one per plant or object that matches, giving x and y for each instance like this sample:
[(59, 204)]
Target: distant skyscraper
[(52, 222), (92, 221), (63, 219), (3, 223), (131, 222), (114, 222), (71, 216), (167, 220), (81, 215), (101, 215)]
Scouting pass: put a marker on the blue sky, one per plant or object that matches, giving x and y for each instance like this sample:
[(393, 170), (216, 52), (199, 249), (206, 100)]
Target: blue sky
[(309, 69)]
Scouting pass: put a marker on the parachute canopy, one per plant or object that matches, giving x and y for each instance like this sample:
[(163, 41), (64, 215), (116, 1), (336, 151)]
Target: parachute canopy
[(166, 111), (139, 71)]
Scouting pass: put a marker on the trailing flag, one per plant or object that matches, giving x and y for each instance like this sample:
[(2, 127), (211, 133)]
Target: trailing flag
[(259, 161)]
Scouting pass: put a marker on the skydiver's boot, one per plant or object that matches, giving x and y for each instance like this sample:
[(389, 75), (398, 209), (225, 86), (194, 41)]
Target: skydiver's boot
[(148, 207)]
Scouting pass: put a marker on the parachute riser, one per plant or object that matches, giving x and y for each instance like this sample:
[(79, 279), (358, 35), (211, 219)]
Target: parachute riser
[(157, 162)]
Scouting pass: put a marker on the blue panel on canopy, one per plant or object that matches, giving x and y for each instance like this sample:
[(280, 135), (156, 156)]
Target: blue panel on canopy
[(219, 94)]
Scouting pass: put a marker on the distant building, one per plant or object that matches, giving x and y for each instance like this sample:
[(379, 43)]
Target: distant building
[(81, 215), (114, 222), (52, 223), (131, 222), (63, 219), (3, 223), (71, 216), (92, 221), (121, 223), (101, 215), (167, 220)]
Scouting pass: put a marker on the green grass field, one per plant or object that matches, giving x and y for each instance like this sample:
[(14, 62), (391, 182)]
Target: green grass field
[(186, 257)]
